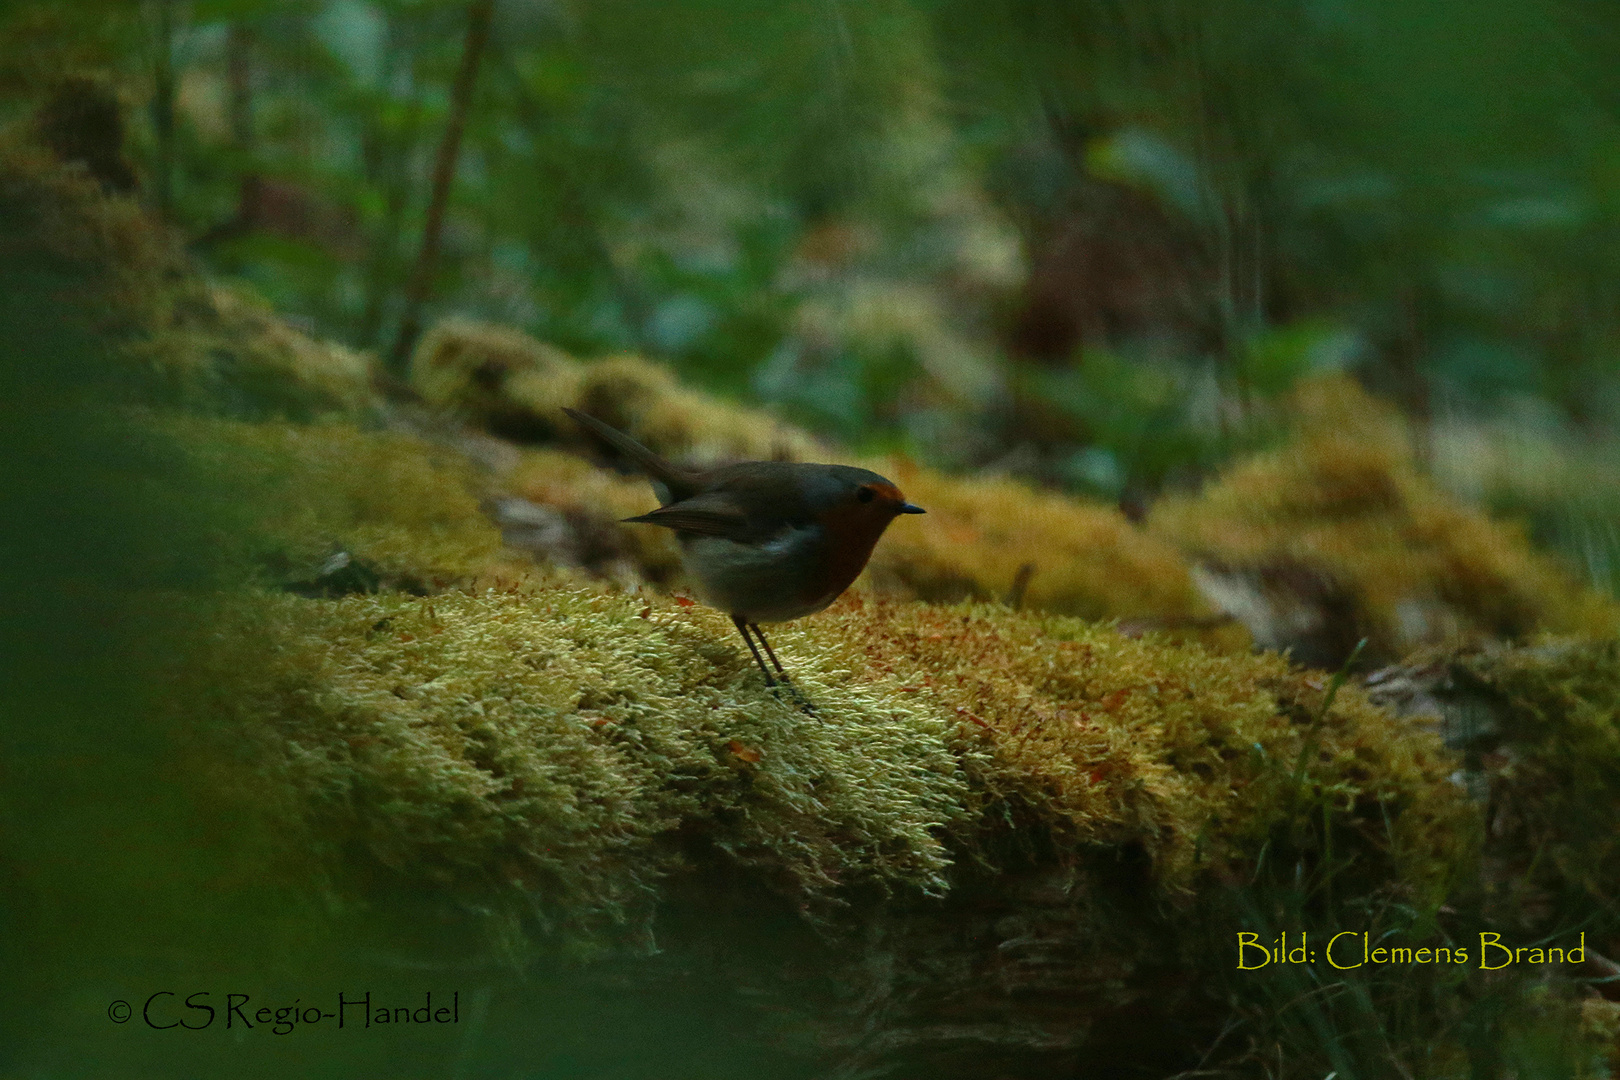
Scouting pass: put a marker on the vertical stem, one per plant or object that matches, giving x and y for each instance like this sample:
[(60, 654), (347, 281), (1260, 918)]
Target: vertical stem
[(385, 157), (163, 108), (239, 77), (1414, 387), (239, 84), (444, 172)]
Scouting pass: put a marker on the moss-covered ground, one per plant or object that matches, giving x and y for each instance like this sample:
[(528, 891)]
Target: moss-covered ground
[(1008, 837), (556, 741)]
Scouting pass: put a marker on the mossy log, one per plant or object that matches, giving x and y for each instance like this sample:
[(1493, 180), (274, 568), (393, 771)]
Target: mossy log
[(1018, 819)]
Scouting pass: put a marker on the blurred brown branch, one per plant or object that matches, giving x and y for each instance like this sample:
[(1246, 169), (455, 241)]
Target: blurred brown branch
[(479, 15)]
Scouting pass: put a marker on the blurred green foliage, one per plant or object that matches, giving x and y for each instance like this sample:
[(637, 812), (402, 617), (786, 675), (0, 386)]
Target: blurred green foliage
[(1090, 243), (1432, 190), (140, 856)]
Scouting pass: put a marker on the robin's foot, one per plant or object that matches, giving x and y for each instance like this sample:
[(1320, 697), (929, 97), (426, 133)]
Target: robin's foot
[(805, 705), (781, 679)]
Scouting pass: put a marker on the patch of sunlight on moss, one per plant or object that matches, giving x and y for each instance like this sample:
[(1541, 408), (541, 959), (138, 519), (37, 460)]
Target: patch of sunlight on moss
[(561, 751), (1183, 750), (558, 748)]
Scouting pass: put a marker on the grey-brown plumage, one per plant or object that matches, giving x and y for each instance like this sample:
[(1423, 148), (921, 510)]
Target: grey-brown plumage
[(765, 541)]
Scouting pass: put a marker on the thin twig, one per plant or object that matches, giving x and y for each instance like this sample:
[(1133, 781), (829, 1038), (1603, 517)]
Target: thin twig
[(1314, 731), (479, 15)]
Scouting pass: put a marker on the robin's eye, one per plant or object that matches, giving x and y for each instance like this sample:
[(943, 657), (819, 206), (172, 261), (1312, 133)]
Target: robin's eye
[(866, 494)]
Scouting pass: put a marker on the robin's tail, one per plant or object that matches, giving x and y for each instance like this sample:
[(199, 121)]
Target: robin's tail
[(677, 482)]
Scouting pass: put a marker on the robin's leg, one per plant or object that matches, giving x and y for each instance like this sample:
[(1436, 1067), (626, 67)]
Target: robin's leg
[(804, 703), (777, 664), (742, 628)]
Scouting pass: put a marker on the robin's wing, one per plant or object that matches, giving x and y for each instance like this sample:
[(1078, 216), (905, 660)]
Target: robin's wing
[(709, 514)]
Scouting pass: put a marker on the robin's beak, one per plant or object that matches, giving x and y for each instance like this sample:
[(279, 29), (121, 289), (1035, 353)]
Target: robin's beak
[(909, 509)]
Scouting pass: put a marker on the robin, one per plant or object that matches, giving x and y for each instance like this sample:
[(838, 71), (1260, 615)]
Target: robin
[(766, 541)]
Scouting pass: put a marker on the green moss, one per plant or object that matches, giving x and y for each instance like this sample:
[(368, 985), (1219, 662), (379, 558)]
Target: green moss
[(58, 222), (1184, 753), (1555, 792), (646, 400), (496, 377), (182, 342), (514, 386), (228, 354), (558, 749), (406, 508), (568, 749), (1085, 558)]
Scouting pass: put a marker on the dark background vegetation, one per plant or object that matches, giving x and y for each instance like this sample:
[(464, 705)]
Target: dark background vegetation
[(1090, 244), (1085, 242)]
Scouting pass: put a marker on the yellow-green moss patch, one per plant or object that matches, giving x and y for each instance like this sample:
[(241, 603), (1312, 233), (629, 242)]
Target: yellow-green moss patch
[(568, 748), (513, 385), (407, 508), (1345, 501), (1188, 753), (562, 748), (1085, 558)]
